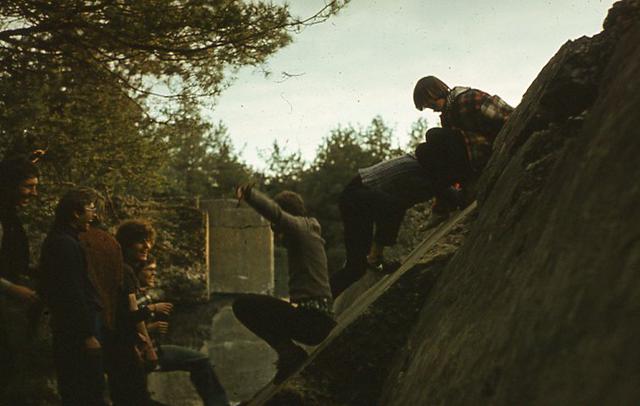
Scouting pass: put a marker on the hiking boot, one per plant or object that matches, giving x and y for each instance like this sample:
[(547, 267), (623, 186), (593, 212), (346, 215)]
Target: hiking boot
[(288, 362), (435, 219), (384, 267)]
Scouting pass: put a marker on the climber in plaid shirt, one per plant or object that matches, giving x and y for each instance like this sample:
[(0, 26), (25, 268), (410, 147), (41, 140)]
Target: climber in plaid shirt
[(458, 151)]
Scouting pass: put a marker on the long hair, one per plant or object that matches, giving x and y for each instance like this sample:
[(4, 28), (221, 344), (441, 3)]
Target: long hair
[(134, 231), (429, 89)]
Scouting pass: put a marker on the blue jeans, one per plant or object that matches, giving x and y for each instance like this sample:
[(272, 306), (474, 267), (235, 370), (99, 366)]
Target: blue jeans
[(204, 379)]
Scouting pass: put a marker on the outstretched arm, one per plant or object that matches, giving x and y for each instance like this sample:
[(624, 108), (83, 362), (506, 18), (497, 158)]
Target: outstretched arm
[(266, 207)]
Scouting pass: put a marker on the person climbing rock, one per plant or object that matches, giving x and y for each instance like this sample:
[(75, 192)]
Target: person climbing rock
[(456, 153), (307, 318), (372, 207)]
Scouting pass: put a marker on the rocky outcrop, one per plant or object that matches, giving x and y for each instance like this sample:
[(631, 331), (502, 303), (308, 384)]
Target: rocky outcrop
[(375, 317), (541, 304)]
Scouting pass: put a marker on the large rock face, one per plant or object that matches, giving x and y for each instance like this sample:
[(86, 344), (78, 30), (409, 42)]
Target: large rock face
[(541, 305)]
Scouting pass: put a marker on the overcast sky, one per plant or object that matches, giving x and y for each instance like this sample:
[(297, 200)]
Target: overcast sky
[(365, 61)]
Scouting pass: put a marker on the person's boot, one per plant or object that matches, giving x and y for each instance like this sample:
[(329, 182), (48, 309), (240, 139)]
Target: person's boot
[(435, 219), (288, 362), (446, 202), (384, 267), (345, 277)]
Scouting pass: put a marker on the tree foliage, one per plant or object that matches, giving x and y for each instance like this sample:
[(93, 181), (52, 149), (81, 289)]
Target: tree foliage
[(89, 80), (201, 159), (183, 44), (94, 133), (284, 169), (417, 133)]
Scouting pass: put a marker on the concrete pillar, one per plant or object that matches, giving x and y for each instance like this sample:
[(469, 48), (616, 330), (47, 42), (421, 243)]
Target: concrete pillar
[(240, 248)]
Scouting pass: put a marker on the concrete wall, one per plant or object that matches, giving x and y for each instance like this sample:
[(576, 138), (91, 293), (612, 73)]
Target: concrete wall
[(240, 249)]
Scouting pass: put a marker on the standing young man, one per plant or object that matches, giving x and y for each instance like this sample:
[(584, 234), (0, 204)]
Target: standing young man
[(18, 186), (73, 302), (129, 356)]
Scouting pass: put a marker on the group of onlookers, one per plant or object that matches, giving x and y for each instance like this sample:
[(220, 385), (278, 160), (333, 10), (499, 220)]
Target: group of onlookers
[(96, 289)]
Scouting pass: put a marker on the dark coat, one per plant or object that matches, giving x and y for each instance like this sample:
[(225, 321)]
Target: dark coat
[(66, 286)]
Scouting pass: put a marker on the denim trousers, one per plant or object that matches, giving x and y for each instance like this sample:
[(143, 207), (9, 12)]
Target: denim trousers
[(279, 323), (203, 377)]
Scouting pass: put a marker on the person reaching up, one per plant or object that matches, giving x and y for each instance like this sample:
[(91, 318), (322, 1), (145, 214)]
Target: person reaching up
[(307, 318), (457, 153)]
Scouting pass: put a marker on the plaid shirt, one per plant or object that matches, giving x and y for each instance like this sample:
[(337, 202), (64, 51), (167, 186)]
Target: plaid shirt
[(480, 116)]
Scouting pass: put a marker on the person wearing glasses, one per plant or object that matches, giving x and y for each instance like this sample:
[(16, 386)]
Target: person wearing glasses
[(176, 357), (74, 302)]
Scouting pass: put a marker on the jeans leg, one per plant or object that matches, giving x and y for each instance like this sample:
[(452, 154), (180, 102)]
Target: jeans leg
[(206, 382), (312, 327), (203, 377), (357, 220), (445, 158), (127, 378), (7, 356), (267, 317), (388, 226)]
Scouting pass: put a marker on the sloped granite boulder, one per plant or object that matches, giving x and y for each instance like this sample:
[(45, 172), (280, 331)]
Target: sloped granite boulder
[(541, 305)]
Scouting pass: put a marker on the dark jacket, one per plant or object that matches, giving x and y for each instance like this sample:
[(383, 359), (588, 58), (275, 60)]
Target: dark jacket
[(66, 286), (14, 248)]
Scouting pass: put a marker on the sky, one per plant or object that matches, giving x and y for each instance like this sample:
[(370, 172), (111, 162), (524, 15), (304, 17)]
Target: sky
[(366, 60)]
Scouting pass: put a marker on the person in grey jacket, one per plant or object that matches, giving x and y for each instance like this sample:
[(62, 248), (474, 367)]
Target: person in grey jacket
[(307, 318), (372, 207)]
